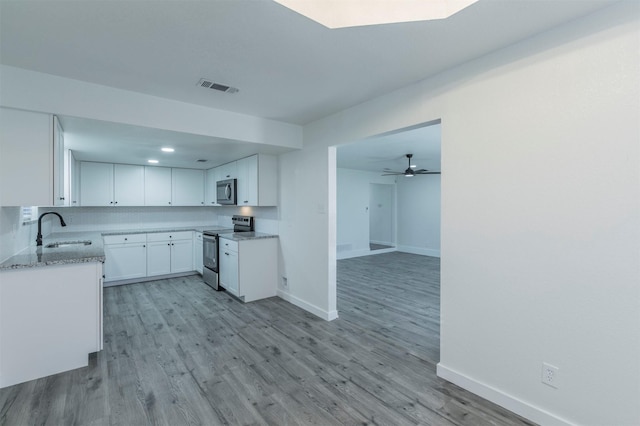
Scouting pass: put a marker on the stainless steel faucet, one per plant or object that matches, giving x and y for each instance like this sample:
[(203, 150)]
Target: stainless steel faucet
[(39, 236)]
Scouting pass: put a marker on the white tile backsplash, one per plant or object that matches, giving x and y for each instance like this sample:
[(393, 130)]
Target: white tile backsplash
[(115, 218), (14, 236)]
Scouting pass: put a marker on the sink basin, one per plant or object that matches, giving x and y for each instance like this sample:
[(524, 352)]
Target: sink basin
[(68, 244)]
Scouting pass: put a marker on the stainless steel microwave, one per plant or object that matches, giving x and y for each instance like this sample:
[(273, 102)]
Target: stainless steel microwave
[(226, 191)]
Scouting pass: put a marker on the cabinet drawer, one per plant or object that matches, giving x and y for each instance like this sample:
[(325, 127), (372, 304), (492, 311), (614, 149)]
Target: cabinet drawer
[(125, 239), (228, 245), (165, 236)]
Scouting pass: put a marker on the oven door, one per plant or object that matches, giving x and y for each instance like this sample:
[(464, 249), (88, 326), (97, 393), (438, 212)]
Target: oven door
[(210, 252)]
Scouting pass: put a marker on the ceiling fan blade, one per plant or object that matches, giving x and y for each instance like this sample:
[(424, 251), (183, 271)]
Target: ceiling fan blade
[(427, 173), (421, 170), (392, 174)]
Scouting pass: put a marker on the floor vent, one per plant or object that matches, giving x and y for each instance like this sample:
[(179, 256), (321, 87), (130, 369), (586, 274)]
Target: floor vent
[(209, 84)]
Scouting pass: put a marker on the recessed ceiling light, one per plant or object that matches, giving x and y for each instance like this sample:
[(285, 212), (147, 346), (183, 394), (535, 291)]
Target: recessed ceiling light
[(153, 161), (355, 13), (167, 149)]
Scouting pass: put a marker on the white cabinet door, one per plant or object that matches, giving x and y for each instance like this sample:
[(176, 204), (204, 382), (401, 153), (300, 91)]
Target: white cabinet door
[(248, 181), (157, 186), (228, 171), (211, 192), (125, 261), (128, 185), (229, 271), (187, 187), (181, 256), (26, 165), (158, 258), (74, 180), (96, 184), (59, 174)]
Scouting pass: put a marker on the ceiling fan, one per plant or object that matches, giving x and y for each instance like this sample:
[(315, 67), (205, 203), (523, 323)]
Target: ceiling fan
[(409, 172)]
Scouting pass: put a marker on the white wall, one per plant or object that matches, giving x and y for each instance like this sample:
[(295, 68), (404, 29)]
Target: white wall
[(352, 210), (16, 236), (419, 215), (540, 217)]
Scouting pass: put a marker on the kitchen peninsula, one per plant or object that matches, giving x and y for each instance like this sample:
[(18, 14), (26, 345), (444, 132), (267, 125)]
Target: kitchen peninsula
[(50, 307)]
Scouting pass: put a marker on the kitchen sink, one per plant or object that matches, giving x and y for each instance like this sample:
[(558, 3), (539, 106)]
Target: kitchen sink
[(68, 244)]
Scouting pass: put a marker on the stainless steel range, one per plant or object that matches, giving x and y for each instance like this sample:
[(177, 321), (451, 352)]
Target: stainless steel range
[(211, 248)]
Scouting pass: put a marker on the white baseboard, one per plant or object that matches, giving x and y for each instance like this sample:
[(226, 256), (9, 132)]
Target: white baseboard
[(511, 403), (383, 243), (145, 279), (325, 315), (360, 253), (419, 250)]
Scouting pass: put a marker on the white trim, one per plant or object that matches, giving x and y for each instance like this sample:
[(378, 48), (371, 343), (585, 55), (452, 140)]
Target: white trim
[(419, 250), (383, 243), (360, 253), (146, 279), (325, 315), (511, 403)]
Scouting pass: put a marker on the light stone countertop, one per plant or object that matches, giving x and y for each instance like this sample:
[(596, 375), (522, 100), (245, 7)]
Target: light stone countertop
[(34, 256), (243, 236)]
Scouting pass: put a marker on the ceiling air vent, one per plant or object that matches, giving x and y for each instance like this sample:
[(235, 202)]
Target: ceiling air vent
[(201, 160), (207, 83)]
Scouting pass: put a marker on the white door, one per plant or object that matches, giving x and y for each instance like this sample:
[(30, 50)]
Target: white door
[(157, 186), (187, 187), (181, 256), (229, 271), (96, 184), (128, 185), (158, 258), (248, 181), (125, 261)]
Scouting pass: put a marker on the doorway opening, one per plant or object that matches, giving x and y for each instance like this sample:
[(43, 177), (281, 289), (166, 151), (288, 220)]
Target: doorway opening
[(382, 221)]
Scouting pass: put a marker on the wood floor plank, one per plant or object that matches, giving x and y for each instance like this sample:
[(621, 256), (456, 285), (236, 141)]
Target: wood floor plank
[(177, 352)]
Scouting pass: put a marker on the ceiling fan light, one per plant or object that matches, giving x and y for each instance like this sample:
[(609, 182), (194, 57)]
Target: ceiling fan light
[(408, 175)]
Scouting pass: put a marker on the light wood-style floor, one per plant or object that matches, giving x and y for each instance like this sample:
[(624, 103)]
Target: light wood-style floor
[(178, 353)]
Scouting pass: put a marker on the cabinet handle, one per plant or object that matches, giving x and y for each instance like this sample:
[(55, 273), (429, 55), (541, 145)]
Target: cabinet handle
[(62, 198), (115, 202), (169, 202), (143, 245), (226, 253), (125, 239), (245, 201), (110, 202)]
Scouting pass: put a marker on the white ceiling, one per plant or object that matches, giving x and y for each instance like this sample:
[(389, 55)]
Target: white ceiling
[(389, 151), (286, 66)]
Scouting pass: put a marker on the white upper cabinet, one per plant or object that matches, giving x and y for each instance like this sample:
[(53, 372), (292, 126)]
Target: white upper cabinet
[(227, 171), (258, 181), (248, 181), (128, 185), (187, 187), (96, 184), (60, 173), (106, 184), (211, 192), (26, 158), (157, 186)]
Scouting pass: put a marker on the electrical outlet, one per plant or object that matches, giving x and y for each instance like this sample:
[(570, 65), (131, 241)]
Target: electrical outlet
[(285, 284), (550, 375)]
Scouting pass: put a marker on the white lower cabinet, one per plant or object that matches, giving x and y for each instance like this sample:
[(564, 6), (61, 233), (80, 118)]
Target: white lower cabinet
[(249, 268), (229, 266), (126, 257), (147, 255), (51, 320), (169, 253)]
